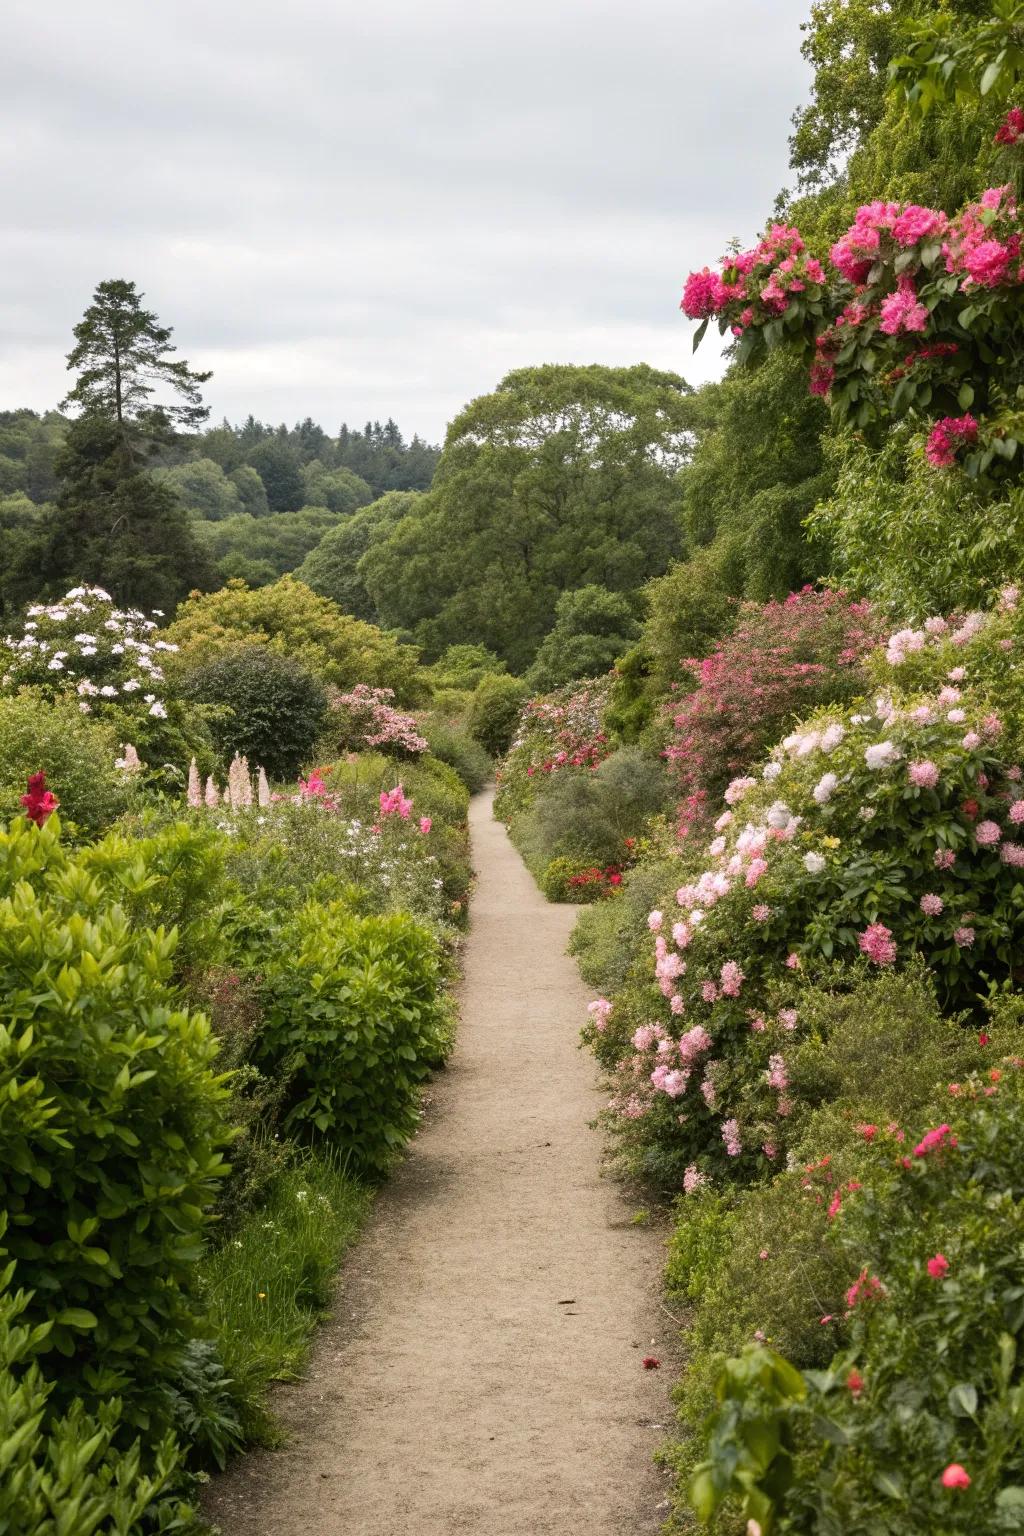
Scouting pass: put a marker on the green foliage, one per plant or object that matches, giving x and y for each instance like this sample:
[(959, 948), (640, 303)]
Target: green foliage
[(268, 708), (332, 568), (77, 755), (265, 1287), (494, 711), (592, 629), (864, 1444), (914, 541), (450, 742), (353, 1023), (65, 1474), (111, 1144), (593, 815), (290, 619), (260, 549), (689, 607), (337, 489), (203, 487), (559, 479), (115, 525), (280, 469), (464, 667)]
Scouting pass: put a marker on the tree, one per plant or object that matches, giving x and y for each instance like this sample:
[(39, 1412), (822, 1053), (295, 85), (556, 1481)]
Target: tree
[(561, 478), (122, 354), (593, 627), (338, 489), (332, 568), (251, 490), (279, 467), (261, 549), (202, 486), (118, 527)]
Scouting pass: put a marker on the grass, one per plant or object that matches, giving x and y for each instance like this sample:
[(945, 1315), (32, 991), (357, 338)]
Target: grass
[(268, 1286)]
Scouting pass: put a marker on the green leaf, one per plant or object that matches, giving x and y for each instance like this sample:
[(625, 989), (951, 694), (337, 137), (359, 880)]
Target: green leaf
[(700, 332), (965, 398), (77, 1317), (963, 1399)]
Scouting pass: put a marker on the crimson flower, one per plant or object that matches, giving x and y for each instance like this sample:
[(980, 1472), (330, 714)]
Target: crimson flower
[(855, 1382), (938, 1266), (39, 803), (649, 1363)]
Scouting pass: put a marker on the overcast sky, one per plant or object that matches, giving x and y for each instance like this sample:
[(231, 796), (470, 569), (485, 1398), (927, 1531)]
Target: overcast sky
[(354, 210)]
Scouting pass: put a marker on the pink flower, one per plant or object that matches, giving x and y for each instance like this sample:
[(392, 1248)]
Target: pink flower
[(916, 223), (1016, 812), (731, 1137), (1013, 855), (792, 962), (654, 921), (676, 1004), (955, 1476), (963, 938), (944, 858), (600, 1011), (731, 979), (877, 943), (707, 1088), (709, 992), (931, 905), (865, 1288), (1011, 129), (902, 311), (938, 1266), (776, 1074), (761, 913), (788, 1018), (947, 436), (693, 1179), (821, 378), (694, 1043), (987, 834), (425, 825), (942, 1136)]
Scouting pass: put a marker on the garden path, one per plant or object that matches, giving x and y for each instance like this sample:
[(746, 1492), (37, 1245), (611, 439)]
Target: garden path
[(482, 1372)]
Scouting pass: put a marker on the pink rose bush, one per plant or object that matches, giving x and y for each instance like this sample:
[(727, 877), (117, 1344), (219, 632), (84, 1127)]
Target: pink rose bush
[(907, 313)]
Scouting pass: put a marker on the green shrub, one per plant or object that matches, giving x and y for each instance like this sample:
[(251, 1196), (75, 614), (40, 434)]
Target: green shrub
[(451, 742), (77, 755), (494, 712), (269, 708), (592, 628), (465, 667), (594, 815), (353, 1022), (65, 1474), (932, 1376), (577, 880), (112, 1134)]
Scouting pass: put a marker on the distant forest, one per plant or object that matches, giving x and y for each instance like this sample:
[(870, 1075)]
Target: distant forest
[(260, 497)]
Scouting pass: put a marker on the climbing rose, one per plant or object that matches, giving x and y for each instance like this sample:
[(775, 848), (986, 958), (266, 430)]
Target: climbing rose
[(938, 1266), (39, 803), (955, 1476)]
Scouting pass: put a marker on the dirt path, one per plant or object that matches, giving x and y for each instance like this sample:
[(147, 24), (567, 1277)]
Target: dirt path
[(457, 1389)]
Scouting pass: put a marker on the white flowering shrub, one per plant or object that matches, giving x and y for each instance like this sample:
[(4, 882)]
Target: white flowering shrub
[(110, 661)]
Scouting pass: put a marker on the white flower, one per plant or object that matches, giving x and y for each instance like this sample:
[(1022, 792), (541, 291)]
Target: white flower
[(779, 815), (955, 716), (158, 711), (831, 736), (814, 863), (825, 788), (879, 754), (85, 686), (87, 650), (111, 624), (117, 650), (109, 691), (131, 686), (149, 697), (771, 771), (55, 664)]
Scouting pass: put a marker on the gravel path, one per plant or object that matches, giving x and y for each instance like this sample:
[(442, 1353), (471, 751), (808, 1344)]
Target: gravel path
[(482, 1372)]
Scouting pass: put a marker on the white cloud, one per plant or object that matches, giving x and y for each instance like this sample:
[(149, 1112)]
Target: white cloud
[(350, 210)]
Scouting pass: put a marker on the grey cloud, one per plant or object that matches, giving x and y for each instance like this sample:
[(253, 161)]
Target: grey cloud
[(348, 210)]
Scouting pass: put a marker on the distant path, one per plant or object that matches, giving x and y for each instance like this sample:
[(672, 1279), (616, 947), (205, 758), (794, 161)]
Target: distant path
[(455, 1390)]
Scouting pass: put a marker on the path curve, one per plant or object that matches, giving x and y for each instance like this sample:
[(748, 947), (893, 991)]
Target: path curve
[(455, 1390)]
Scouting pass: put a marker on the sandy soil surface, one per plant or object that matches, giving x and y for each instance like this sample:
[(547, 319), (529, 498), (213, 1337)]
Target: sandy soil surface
[(482, 1371)]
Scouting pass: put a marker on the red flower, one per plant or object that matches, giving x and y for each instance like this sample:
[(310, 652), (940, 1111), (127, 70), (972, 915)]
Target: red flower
[(855, 1382), (649, 1363), (39, 803), (983, 1039), (938, 1266), (955, 1476)]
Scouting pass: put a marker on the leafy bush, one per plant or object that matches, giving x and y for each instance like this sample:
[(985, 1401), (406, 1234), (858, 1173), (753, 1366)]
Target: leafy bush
[(268, 707), (77, 755), (112, 1137), (573, 879), (353, 1023), (289, 618), (592, 629), (67, 1474), (494, 710), (898, 1433), (596, 816), (451, 742), (691, 606), (779, 661), (556, 733), (465, 667)]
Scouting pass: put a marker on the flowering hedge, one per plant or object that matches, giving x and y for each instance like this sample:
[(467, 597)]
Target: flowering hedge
[(867, 836), (915, 1424), (367, 718), (913, 311), (780, 660), (557, 732)]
